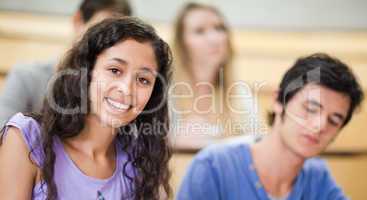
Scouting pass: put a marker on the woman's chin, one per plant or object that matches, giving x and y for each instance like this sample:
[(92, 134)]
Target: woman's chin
[(113, 122)]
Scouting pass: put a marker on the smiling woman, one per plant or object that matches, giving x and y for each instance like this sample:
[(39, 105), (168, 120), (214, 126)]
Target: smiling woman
[(109, 85), (122, 82)]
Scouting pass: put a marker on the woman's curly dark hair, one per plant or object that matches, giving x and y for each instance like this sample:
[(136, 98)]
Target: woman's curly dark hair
[(148, 153)]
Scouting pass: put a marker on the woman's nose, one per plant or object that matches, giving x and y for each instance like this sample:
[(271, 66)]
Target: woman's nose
[(125, 85)]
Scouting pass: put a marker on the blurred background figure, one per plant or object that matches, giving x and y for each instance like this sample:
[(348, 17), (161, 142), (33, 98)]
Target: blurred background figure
[(26, 85), (203, 53)]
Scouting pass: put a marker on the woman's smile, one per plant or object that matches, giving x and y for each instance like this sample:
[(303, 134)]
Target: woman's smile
[(117, 105)]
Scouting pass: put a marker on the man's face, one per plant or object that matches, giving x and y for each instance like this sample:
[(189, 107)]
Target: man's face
[(312, 119)]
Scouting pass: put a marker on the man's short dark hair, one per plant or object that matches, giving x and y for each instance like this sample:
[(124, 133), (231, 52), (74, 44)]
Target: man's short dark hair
[(323, 70), (89, 8)]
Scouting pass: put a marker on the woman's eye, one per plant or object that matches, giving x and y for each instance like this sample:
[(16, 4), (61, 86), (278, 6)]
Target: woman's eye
[(115, 71), (144, 81), (219, 28), (199, 30)]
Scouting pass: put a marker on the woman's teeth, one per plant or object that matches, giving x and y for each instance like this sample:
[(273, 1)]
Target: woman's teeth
[(117, 105)]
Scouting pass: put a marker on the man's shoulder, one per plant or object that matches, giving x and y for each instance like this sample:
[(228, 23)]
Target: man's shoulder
[(34, 67), (221, 153), (315, 168), (38, 72), (315, 163)]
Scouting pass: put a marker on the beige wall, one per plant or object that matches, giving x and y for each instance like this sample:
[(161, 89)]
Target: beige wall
[(269, 14)]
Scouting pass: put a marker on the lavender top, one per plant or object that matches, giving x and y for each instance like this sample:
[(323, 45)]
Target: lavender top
[(70, 181)]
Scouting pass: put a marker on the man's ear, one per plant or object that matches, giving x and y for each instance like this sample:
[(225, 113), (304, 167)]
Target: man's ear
[(78, 23), (277, 106)]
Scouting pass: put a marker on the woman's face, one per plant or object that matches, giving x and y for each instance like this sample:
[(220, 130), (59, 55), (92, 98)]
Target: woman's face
[(205, 37), (122, 82)]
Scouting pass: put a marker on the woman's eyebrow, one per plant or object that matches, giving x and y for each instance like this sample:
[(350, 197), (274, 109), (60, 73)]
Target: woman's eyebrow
[(122, 61), (149, 70)]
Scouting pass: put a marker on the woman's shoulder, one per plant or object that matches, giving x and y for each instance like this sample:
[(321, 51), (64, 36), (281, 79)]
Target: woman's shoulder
[(23, 122), (17, 159), (16, 166), (29, 129)]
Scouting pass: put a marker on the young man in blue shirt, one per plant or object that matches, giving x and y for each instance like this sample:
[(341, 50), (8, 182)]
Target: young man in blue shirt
[(316, 99)]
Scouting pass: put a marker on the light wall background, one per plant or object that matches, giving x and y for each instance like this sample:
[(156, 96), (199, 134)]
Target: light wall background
[(259, 14)]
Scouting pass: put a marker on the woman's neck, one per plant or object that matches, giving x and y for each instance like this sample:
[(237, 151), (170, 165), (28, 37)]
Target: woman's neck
[(96, 139), (203, 73)]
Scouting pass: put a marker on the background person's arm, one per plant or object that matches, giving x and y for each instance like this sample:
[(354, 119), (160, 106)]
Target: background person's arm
[(14, 94)]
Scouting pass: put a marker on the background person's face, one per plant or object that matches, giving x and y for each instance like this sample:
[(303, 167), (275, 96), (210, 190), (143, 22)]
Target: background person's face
[(80, 27), (122, 82), (204, 37), (312, 119)]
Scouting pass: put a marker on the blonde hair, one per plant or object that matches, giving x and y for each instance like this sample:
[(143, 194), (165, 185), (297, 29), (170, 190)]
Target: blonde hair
[(182, 60), (179, 49)]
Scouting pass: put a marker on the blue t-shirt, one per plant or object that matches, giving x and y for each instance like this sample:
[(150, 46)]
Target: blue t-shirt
[(226, 172)]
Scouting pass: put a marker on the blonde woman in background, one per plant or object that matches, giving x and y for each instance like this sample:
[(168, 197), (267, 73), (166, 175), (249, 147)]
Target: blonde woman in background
[(203, 54)]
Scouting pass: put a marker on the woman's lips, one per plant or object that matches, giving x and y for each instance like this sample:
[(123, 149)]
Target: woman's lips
[(117, 105)]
